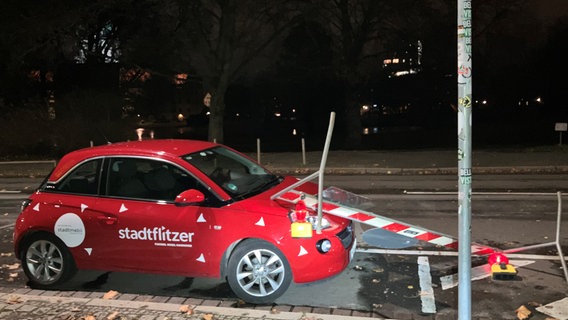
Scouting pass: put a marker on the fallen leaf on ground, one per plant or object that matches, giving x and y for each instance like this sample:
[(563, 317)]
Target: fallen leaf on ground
[(11, 266), (274, 311), (14, 300), (90, 317), (186, 309), (110, 295), (208, 316), (523, 313), (113, 316)]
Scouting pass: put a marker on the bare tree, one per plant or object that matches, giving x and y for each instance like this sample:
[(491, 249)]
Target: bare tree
[(227, 40), (42, 36), (362, 31)]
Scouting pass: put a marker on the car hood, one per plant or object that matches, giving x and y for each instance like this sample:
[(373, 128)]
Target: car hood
[(261, 203)]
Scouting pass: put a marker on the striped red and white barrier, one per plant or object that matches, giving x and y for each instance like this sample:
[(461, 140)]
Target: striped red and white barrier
[(385, 223)]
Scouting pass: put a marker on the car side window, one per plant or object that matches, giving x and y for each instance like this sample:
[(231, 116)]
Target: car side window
[(125, 178), (82, 180), (147, 179)]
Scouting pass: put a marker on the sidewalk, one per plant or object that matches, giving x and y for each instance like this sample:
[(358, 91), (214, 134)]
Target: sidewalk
[(25, 176), (418, 162), (552, 160), (27, 304)]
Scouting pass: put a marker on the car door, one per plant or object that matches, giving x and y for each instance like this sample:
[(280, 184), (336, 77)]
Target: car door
[(139, 221), (70, 202)]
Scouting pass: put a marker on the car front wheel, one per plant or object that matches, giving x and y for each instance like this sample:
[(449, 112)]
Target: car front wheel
[(46, 261), (258, 272)]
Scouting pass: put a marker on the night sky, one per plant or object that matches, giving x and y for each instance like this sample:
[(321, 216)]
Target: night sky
[(551, 8)]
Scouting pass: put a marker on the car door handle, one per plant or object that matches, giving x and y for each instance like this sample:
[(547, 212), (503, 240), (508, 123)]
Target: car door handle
[(107, 220)]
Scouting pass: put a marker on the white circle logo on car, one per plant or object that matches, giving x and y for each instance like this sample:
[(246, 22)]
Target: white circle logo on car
[(70, 228)]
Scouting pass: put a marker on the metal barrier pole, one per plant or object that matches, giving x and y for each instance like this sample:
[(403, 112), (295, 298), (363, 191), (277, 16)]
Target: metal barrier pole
[(558, 247), (548, 244), (258, 150), (322, 168), (318, 173), (465, 54)]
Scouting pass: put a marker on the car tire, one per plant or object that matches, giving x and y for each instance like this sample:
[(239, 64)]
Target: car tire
[(258, 272), (46, 261)]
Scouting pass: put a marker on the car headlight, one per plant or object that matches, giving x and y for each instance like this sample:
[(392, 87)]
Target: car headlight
[(314, 221)]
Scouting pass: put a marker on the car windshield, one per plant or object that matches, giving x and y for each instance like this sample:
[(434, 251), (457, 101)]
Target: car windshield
[(237, 175)]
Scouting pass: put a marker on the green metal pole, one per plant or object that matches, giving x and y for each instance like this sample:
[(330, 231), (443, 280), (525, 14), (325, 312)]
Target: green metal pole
[(464, 157)]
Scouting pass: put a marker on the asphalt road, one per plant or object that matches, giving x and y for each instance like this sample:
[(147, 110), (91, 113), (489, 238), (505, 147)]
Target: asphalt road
[(510, 212), (395, 184)]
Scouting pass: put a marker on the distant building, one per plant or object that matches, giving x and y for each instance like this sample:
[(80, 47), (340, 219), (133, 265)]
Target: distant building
[(404, 62)]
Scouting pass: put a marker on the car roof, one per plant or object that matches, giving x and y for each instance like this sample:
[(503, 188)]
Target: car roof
[(171, 147), (160, 148)]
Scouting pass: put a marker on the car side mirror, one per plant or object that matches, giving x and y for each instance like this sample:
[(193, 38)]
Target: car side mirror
[(189, 197)]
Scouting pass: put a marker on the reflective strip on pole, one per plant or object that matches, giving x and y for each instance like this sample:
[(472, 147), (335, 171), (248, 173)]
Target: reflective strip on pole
[(464, 157)]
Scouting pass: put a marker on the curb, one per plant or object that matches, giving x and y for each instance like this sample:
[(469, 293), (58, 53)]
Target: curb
[(420, 171), (30, 169)]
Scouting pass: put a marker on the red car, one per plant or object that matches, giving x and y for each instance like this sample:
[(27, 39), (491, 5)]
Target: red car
[(180, 207)]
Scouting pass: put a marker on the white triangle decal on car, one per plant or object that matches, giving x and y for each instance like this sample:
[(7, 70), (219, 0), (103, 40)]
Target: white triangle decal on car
[(89, 250), (36, 208), (201, 258), (260, 222), (303, 251), (201, 218), (83, 207), (123, 208)]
